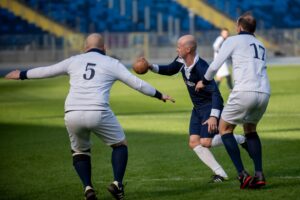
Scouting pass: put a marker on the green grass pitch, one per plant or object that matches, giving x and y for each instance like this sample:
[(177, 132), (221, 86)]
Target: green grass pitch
[(35, 153)]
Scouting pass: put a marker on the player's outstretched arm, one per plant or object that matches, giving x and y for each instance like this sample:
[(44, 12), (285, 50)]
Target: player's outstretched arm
[(142, 65), (14, 75)]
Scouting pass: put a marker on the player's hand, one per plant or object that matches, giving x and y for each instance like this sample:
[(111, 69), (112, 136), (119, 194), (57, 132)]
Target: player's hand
[(165, 98), (143, 59), (199, 86), (212, 124), (15, 75)]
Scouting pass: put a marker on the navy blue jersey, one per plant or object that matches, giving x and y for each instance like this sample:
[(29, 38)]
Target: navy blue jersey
[(207, 98)]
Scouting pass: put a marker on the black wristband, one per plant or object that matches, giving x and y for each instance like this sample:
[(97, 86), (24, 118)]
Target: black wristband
[(158, 95), (23, 75), (205, 81)]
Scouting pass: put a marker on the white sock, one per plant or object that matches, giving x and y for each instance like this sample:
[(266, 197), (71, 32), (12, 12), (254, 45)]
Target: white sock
[(88, 188), (240, 139), (207, 157), (217, 140)]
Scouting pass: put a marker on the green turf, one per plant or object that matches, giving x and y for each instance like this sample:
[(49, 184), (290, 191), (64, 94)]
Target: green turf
[(35, 153)]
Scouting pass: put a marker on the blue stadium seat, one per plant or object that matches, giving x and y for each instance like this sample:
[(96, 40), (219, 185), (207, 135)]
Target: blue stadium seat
[(95, 15)]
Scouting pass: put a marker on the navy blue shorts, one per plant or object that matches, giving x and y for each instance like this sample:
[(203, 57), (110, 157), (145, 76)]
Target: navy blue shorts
[(196, 127)]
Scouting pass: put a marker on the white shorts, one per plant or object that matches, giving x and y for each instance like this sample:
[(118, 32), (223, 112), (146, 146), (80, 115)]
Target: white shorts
[(223, 70), (245, 107), (104, 124)]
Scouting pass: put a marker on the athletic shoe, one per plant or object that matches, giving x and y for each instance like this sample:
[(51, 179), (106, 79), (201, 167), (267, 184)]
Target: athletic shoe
[(244, 179), (257, 182), (117, 190), (90, 193), (217, 179)]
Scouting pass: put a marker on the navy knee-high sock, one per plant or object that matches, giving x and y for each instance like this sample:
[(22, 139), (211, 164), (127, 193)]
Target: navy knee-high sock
[(233, 151), (254, 147), (82, 165), (119, 162)]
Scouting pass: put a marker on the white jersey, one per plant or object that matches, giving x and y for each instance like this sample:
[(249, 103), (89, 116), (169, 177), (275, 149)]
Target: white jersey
[(91, 77), (248, 62), (223, 70), (217, 45)]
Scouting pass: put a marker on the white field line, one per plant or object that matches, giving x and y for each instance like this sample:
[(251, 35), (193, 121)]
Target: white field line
[(189, 179), (184, 115)]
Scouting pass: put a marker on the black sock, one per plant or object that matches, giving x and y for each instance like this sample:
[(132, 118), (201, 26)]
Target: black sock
[(254, 148), (233, 151), (119, 161), (82, 165), (229, 82)]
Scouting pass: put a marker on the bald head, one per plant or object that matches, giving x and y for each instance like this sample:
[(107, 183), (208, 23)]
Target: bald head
[(188, 41), (94, 40), (186, 47)]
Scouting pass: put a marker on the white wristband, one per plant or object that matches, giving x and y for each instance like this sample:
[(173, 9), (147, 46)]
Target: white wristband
[(155, 68), (215, 113)]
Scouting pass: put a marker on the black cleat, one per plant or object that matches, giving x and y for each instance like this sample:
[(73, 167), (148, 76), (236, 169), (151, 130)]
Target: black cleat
[(117, 190), (244, 179), (257, 182), (217, 179), (90, 193)]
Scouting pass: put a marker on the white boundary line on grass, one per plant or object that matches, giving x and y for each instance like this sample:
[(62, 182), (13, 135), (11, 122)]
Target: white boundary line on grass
[(189, 179), (183, 115)]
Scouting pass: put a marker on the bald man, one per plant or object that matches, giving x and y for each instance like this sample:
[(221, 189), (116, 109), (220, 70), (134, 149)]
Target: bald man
[(87, 109), (208, 103)]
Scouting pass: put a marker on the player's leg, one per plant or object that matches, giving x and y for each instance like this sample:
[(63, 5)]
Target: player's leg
[(220, 174), (119, 159), (255, 152), (234, 113), (253, 140), (207, 157), (197, 131), (79, 136), (217, 140), (111, 132), (231, 146), (229, 82), (119, 162)]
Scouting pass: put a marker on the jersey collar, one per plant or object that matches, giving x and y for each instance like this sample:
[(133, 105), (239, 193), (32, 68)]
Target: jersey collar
[(188, 69), (96, 50), (245, 33)]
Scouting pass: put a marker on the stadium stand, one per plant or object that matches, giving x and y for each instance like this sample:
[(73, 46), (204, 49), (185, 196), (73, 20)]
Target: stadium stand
[(117, 16), (111, 16), (271, 14), (13, 32), (169, 18)]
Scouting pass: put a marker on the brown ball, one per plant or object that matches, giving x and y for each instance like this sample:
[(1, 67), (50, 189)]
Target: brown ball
[(140, 66)]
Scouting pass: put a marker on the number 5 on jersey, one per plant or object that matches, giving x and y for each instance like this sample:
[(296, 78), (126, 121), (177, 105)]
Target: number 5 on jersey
[(90, 71)]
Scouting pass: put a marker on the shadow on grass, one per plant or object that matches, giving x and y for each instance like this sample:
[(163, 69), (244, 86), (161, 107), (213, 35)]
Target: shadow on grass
[(36, 157)]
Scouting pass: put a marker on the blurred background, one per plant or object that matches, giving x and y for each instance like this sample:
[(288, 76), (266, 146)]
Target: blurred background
[(38, 32)]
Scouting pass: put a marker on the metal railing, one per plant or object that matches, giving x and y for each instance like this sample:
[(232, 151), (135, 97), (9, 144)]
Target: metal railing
[(129, 46)]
